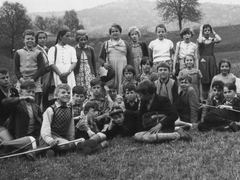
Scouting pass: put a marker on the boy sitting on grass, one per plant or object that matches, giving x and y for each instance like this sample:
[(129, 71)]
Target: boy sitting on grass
[(26, 120), (87, 127), (58, 124)]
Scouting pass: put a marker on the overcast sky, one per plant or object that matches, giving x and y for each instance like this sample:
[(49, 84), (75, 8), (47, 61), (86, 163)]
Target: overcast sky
[(63, 5)]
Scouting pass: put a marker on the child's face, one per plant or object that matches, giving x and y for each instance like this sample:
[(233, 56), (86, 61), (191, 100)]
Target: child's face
[(4, 80), (66, 38), (206, 32), (115, 33), (128, 75), (187, 37), (29, 41), (63, 96), (130, 95), (163, 72), (42, 39), (134, 36), (96, 90), (146, 67), (216, 92), (189, 62), (92, 113), (113, 93), (161, 33), (118, 118), (224, 68), (82, 41), (184, 84), (28, 92), (78, 98), (228, 94)]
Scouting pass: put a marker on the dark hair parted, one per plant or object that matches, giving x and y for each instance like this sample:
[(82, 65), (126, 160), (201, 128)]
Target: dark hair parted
[(129, 68), (231, 86), (89, 105), (95, 82), (79, 90), (129, 87), (207, 26), (218, 85), (28, 85), (3, 71), (61, 33), (161, 26), (185, 77), (37, 35), (115, 26), (224, 61), (146, 87), (186, 31), (146, 60)]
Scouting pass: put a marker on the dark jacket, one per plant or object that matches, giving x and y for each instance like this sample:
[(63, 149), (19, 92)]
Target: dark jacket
[(91, 59), (162, 105), (144, 48)]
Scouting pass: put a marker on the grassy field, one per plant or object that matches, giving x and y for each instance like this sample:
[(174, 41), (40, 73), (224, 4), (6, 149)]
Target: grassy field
[(210, 156)]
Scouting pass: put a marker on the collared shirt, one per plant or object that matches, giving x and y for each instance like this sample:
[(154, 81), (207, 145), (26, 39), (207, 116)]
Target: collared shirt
[(186, 48)]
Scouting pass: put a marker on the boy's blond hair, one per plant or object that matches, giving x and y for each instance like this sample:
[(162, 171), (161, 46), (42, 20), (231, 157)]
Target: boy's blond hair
[(62, 86)]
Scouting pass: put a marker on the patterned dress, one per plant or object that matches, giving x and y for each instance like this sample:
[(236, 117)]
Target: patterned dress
[(137, 55), (85, 76)]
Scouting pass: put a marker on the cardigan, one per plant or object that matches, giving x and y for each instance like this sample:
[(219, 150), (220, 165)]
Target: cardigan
[(102, 54), (89, 51)]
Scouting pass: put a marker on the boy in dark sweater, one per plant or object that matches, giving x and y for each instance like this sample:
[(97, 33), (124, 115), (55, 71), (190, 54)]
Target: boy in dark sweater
[(131, 101)]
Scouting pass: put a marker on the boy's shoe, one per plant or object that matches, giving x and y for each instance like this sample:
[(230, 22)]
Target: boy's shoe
[(31, 156), (234, 126), (50, 154), (90, 143), (184, 135)]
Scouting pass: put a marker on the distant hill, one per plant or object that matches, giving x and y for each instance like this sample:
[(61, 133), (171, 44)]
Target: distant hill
[(142, 14)]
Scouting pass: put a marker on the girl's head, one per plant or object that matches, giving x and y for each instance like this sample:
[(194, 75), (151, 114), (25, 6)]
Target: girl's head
[(91, 109), (229, 91), (129, 72), (207, 30), (186, 34), (41, 38), (185, 81), (161, 31), (81, 37), (134, 34), (115, 31), (224, 66), (146, 64), (189, 60), (63, 36), (217, 89)]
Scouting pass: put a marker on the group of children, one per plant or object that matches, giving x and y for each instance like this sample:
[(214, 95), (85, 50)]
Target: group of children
[(157, 100)]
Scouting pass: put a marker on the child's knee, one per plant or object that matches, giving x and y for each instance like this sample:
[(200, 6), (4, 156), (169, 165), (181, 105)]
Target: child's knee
[(149, 138)]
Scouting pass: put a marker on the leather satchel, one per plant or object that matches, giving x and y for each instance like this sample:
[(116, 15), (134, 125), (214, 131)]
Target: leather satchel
[(151, 119)]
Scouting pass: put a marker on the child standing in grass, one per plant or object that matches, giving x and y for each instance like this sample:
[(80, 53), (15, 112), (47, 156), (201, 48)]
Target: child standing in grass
[(207, 60), (166, 86), (85, 69), (87, 127), (194, 73), (147, 73), (129, 77), (161, 49), (183, 48), (225, 76), (58, 124), (29, 63), (224, 118), (139, 49)]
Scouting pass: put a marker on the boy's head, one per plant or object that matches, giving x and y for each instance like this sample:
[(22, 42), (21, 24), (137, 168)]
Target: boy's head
[(78, 94), (29, 38), (4, 78), (229, 91), (186, 31), (95, 87), (117, 115), (129, 72), (146, 90), (217, 89), (130, 92), (163, 70), (91, 109), (185, 81), (63, 92), (112, 90), (161, 31), (28, 88), (146, 64)]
